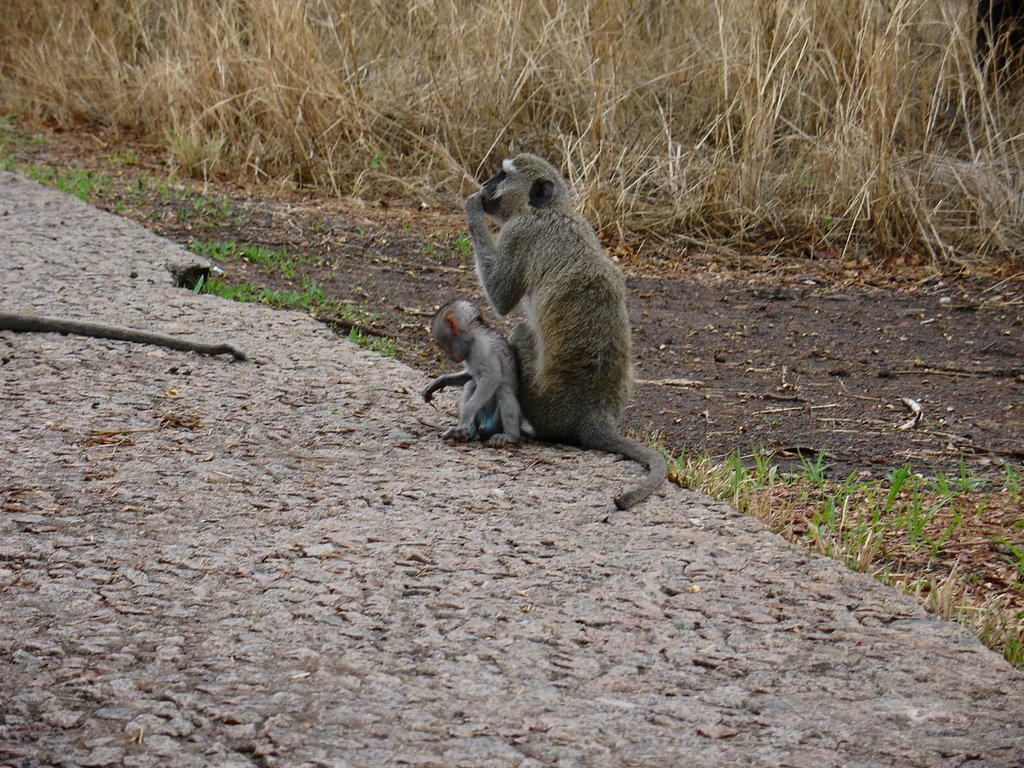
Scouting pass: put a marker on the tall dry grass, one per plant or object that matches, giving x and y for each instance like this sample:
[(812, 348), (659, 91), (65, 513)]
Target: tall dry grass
[(826, 124)]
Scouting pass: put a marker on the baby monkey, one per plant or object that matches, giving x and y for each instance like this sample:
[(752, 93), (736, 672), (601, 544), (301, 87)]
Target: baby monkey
[(489, 407)]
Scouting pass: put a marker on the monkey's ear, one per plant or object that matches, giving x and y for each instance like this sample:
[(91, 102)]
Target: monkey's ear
[(451, 321), (542, 193)]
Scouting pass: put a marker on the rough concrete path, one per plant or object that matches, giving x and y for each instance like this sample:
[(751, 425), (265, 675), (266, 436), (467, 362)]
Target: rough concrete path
[(279, 563)]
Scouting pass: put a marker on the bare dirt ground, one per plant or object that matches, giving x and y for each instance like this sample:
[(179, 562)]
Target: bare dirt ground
[(791, 365), (279, 563)]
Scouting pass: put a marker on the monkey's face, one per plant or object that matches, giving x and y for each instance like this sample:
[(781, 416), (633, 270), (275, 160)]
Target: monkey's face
[(523, 184), (453, 354), (448, 341), (492, 191)]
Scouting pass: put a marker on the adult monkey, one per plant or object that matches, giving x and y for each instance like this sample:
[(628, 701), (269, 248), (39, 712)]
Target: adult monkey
[(575, 349)]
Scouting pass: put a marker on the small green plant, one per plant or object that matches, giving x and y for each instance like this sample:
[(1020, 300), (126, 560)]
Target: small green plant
[(1013, 484), (39, 173), (815, 470), (765, 471), (310, 297), (82, 184), (968, 482), (954, 526), (834, 529), (897, 479), (382, 345), (217, 251), (1013, 650), (738, 478), (1015, 554), (276, 260), (166, 192), (209, 210), (917, 516), (941, 485), (213, 209)]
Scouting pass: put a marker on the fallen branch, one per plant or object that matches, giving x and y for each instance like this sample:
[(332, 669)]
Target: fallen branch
[(417, 311), (969, 373), (685, 383)]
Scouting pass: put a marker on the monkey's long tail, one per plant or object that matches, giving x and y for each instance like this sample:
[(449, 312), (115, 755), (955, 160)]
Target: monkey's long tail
[(657, 469), (10, 321)]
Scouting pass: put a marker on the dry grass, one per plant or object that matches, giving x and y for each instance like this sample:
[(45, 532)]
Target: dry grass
[(809, 124)]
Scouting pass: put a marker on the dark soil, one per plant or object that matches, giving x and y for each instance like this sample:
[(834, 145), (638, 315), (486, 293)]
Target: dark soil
[(723, 364), (794, 354)]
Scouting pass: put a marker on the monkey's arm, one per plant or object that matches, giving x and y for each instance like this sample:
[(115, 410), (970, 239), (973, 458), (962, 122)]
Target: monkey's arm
[(19, 323), (500, 276), (446, 380)]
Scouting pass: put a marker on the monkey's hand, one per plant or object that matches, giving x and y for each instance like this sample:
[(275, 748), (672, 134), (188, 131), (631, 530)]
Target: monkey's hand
[(431, 388), (459, 434), (474, 205)]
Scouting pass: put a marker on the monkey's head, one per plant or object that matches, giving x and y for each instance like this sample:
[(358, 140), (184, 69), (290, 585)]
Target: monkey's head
[(449, 328), (524, 183)]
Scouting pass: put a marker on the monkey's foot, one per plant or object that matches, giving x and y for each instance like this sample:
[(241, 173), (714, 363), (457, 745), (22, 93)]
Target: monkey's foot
[(501, 440)]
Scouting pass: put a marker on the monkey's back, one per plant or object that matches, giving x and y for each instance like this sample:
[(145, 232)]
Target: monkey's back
[(583, 343)]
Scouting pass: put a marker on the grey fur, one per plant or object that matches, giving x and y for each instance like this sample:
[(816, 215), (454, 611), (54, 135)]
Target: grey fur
[(489, 407), (575, 348), (22, 323)]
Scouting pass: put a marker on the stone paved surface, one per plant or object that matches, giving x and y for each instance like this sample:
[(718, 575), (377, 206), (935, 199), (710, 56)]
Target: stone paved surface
[(279, 563)]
